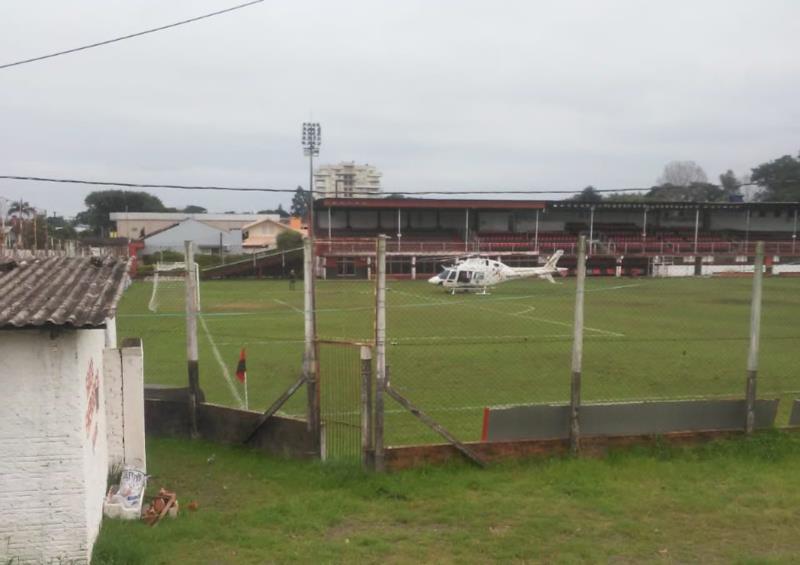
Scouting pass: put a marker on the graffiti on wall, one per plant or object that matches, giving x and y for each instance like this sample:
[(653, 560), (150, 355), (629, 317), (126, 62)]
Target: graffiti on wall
[(92, 402)]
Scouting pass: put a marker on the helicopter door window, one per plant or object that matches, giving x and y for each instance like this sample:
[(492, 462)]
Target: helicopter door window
[(464, 276), (451, 275)]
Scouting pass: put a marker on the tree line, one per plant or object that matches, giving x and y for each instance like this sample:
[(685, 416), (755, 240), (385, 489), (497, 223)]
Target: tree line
[(686, 181), (681, 181)]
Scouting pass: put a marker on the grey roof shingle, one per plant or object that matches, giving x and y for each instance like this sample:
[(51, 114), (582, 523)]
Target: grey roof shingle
[(80, 292)]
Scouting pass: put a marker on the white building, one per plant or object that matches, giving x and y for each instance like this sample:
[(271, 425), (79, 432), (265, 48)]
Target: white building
[(206, 238), (263, 234), (137, 225), (347, 180), (67, 417)]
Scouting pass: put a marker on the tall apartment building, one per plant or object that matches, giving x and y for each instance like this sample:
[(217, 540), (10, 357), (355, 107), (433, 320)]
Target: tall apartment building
[(347, 180)]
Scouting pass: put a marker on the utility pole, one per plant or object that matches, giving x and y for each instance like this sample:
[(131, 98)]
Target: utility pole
[(312, 138), (3, 211)]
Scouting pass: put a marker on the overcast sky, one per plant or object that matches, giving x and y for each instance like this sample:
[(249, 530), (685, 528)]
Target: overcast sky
[(437, 94)]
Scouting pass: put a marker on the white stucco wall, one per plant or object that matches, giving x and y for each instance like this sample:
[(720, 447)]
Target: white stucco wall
[(123, 374), (53, 444)]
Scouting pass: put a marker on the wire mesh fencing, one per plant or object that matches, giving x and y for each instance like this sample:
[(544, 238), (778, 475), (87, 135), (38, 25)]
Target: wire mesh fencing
[(453, 355), (644, 339), (260, 317)]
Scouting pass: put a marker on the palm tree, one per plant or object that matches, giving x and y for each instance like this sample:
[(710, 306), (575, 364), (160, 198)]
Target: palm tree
[(18, 212), (21, 209)]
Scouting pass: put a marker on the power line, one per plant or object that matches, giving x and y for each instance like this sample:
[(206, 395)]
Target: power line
[(290, 190), (132, 35)]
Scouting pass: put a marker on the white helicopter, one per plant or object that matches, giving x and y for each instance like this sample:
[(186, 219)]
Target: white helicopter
[(476, 274)]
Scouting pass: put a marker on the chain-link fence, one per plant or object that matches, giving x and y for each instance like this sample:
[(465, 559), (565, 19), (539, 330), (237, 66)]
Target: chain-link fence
[(260, 318), (456, 354), (644, 339)]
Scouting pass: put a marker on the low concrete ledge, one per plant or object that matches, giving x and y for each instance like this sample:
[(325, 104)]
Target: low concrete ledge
[(548, 421), (794, 416), (280, 435), (406, 457)]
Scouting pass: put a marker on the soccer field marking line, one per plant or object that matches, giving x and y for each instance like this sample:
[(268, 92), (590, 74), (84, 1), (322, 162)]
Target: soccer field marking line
[(555, 322), (494, 338), (521, 314), (218, 357), (283, 303)]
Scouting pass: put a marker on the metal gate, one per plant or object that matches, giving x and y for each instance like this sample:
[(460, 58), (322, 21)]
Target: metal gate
[(340, 387)]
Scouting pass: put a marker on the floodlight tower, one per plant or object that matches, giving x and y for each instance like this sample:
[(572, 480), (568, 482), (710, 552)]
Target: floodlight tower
[(312, 139)]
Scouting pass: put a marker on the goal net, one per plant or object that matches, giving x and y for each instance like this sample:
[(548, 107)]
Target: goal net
[(169, 287)]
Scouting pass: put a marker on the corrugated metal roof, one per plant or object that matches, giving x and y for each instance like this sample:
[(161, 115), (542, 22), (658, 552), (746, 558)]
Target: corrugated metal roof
[(432, 203), (78, 292)]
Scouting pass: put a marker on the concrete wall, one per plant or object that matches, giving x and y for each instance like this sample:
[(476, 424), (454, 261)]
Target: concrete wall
[(494, 221), (280, 435), (123, 370), (737, 220), (53, 443)]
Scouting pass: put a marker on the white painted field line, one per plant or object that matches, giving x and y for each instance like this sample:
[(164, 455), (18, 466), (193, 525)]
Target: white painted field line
[(601, 289), (492, 339), (218, 357), (520, 314), (547, 321), (295, 308)]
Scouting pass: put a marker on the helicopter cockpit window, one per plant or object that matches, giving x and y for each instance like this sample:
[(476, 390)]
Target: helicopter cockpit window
[(451, 275), (443, 275)]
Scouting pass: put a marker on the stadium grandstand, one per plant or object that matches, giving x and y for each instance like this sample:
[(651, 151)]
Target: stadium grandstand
[(629, 238)]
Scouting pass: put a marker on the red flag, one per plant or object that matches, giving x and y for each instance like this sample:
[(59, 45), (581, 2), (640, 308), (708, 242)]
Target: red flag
[(241, 368)]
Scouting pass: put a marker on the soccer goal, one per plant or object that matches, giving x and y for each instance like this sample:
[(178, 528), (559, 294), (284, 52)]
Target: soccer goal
[(169, 287)]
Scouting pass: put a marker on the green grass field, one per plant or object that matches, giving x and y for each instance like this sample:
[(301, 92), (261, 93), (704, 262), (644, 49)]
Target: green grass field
[(728, 502), (453, 355)]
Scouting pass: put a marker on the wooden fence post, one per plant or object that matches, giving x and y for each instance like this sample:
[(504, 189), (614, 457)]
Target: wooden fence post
[(367, 445), (755, 332), (380, 350), (191, 337), (577, 351)]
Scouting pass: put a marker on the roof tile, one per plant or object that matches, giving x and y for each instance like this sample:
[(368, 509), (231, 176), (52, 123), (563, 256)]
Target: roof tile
[(61, 291)]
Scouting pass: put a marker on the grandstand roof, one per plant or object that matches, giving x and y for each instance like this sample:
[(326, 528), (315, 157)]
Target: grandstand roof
[(652, 205), (476, 204), (460, 204)]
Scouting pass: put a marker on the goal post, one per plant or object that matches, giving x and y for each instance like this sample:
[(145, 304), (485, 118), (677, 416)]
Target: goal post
[(169, 283)]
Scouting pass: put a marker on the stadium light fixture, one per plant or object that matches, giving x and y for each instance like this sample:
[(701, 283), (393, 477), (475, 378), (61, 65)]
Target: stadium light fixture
[(312, 139)]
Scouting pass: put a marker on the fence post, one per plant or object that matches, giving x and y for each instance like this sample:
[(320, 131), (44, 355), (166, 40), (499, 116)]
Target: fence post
[(755, 332), (577, 351), (380, 350), (191, 337), (310, 351), (367, 446)]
